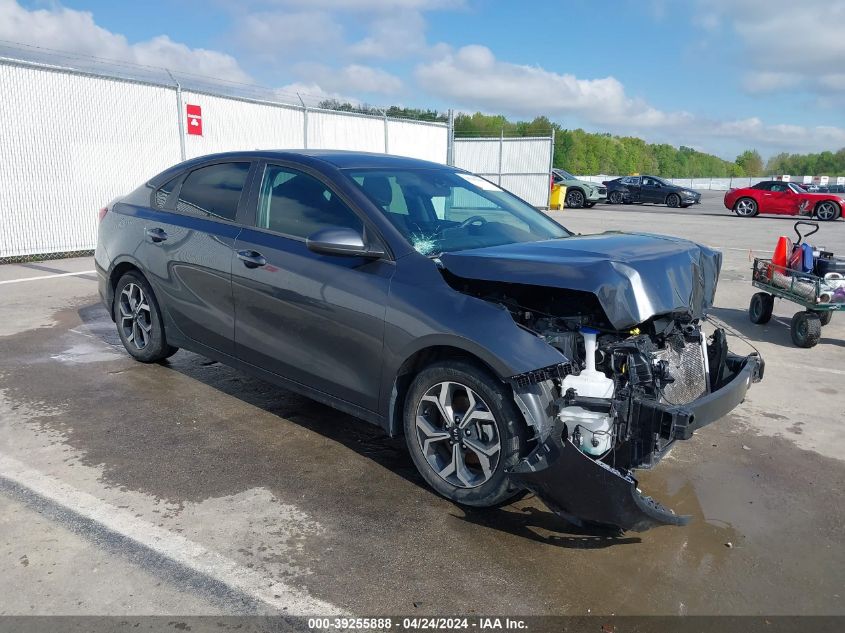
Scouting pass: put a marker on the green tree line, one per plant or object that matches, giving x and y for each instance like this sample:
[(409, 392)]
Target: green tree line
[(583, 152)]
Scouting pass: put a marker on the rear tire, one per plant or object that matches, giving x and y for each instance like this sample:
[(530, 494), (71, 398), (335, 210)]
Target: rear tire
[(760, 310), (615, 197), (466, 457), (746, 208), (806, 329), (825, 317), (138, 319)]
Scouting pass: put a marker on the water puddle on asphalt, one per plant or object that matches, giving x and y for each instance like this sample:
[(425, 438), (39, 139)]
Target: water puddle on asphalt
[(85, 352)]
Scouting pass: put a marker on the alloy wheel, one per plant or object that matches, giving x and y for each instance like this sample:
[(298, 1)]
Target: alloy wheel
[(135, 318), (616, 197), (826, 211), (745, 207), (574, 199), (458, 435)]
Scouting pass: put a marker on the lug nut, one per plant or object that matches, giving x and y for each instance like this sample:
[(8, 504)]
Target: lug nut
[(468, 432)]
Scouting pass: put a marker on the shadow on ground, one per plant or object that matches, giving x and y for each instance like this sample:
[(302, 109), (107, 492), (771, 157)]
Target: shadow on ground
[(369, 441), (775, 332)]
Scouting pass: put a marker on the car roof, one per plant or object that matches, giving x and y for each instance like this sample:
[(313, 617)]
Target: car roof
[(340, 159)]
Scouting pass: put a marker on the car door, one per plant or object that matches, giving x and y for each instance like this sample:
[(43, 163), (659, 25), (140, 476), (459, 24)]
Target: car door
[(632, 183), (188, 250), (780, 199), (652, 191), (315, 319)]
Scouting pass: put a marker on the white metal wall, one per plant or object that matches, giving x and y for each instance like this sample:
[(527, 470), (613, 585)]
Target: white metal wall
[(417, 139), (236, 125), (68, 145), (520, 165), (70, 142), (714, 184)]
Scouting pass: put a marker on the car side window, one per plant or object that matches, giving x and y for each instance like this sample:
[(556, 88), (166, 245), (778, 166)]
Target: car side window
[(213, 191), (648, 182), (161, 194), (296, 204), (777, 187), (385, 191)]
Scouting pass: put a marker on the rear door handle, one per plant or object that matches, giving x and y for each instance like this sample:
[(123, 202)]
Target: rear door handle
[(156, 235), (252, 259)]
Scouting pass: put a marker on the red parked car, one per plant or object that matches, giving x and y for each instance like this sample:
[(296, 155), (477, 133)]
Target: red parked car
[(784, 198)]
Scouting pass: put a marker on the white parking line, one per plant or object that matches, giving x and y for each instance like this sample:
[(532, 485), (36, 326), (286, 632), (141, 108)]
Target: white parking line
[(174, 547), (39, 278)]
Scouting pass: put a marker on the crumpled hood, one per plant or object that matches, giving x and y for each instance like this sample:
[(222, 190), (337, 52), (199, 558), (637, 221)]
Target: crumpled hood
[(634, 275)]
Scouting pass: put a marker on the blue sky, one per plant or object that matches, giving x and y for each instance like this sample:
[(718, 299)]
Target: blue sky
[(719, 75)]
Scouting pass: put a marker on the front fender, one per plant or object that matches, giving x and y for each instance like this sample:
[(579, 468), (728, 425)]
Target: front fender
[(423, 312)]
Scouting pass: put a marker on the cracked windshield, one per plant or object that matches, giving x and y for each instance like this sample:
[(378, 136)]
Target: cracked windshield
[(439, 211)]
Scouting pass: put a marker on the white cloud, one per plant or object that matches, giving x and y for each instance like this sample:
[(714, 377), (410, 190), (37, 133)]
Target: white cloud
[(767, 81), (802, 43), (374, 6), (394, 35), (271, 33), (353, 78), (309, 93), (473, 78), (76, 32)]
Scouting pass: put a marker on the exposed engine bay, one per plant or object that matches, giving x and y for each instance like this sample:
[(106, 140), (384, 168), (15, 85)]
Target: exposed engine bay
[(617, 403)]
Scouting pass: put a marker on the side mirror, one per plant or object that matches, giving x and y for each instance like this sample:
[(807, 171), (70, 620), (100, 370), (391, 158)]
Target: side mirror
[(341, 241)]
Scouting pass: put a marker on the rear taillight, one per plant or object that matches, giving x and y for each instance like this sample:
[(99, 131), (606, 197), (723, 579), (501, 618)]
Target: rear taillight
[(102, 213)]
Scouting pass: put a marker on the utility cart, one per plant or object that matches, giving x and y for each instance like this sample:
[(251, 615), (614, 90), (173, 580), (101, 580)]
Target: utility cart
[(819, 297)]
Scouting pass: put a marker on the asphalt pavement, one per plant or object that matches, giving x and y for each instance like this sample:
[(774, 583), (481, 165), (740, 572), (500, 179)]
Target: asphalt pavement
[(190, 488)]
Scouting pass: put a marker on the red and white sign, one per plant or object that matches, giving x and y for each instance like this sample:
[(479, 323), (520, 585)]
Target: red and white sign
[(194, 120)]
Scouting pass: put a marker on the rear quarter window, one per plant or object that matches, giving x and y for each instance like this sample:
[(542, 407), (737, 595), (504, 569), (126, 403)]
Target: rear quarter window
[(213, 191), (161, 194)]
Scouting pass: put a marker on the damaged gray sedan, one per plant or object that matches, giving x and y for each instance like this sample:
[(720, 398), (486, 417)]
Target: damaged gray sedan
[(511, 353)]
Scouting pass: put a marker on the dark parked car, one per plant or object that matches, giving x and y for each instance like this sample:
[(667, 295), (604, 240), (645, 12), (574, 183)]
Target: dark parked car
[(832, 189), (510, 353), (639, 189)]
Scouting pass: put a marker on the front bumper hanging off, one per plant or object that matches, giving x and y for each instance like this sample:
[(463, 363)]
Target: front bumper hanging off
[(584, 490)]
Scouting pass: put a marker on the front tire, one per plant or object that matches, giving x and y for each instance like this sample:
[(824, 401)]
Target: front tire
[(746, 208), (760, 310), (827, 211), (463, 431), (138, 319), (673, 200), (806, 329), (575, 198)]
